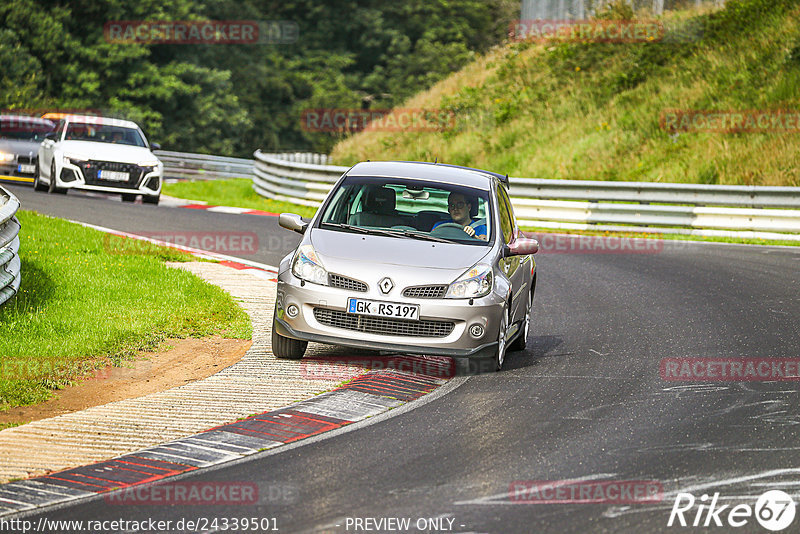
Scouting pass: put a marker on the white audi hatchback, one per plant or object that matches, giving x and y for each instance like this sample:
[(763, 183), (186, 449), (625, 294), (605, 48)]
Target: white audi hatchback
[(99, 154)]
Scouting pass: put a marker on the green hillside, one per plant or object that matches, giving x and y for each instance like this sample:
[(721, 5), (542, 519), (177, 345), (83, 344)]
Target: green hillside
[(591, 111)]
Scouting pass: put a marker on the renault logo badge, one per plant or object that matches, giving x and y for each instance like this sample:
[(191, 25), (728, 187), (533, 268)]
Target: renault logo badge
[(386, 285)]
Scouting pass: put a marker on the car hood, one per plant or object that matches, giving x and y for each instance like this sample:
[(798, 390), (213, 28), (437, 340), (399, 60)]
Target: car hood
[(16, 146), (107, 151), (368, 256)]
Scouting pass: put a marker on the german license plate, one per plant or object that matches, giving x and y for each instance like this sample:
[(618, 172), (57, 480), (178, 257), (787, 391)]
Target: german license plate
[(26, 169), (383, 309), (112, 176)]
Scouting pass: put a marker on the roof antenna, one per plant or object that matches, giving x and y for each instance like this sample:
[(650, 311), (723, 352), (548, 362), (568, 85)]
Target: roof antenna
[(436, 160)]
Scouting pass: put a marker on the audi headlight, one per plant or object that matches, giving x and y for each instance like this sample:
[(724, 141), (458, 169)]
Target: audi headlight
[(476, 282), (306, 266), (74, 160), (149, 163)]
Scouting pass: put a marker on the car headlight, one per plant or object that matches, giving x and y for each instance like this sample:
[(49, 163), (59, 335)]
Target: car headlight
[(306, 266), (476, 282), (4, 156), (74, 160), (149, 163)]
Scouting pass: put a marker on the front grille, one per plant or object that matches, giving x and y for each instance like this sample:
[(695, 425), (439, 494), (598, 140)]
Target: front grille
[(425, 292), (26, 160), (343, 282), (383, 325), (91, 167)]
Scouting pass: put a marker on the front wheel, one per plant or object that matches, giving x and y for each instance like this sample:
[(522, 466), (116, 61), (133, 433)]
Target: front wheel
[(151, 199), (500, 353), (51, 187), (37, 183), (522, 338), (287, 348), (127, 197)]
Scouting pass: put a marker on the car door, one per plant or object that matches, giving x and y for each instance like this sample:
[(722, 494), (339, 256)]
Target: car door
[(511, 266)]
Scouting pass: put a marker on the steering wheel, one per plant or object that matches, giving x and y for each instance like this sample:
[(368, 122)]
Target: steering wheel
[(451, 225), (450, 230)]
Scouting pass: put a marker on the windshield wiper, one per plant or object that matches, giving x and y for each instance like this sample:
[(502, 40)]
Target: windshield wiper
[(426, 237), (409, 234), (348, 227)]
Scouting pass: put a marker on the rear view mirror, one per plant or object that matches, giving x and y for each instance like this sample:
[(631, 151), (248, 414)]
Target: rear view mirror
[(155, 146), (50, 135), (292, 221), (522, 246)]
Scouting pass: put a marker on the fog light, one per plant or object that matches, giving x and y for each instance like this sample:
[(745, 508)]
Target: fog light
[(476, 331), (292, 311)]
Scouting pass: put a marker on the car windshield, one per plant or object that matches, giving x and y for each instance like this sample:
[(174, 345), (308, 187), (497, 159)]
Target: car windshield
[(410, 208), (24, 129), (103, 133)]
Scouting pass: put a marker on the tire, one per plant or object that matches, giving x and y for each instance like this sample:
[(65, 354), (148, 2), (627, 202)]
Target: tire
[(522, 338), (500, 354), (37, 185), (151, 199), (51, 187), (128, 197), (287, 348)]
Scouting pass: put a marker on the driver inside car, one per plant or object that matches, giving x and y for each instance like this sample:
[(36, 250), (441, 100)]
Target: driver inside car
[(459, 208)]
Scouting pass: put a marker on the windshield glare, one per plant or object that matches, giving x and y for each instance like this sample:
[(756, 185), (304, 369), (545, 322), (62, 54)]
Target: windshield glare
[(439, 210), (103, 133)]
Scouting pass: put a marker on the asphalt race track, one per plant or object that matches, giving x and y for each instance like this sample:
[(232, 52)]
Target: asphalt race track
[(585, 401)]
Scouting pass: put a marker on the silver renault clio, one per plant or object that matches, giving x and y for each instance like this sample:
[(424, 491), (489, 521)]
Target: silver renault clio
[(416, 258)]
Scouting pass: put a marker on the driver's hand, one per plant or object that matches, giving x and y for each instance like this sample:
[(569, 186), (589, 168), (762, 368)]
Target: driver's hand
[(469, 230)]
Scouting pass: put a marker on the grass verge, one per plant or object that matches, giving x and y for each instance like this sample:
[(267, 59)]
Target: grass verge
[(83, 305), (595, 110), (236, 192)]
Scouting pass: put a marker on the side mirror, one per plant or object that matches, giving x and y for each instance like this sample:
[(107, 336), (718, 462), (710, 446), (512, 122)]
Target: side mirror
[(155, 146), (292, 221), (521, 246), (50, 135)]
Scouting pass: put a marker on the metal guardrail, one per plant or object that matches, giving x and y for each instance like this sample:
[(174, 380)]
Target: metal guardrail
[(186, 165), (203, 166), (697, 209), (10, 266)]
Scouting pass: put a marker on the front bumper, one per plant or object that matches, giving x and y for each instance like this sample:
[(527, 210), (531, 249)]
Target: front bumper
[(459, 342), (147, 181)]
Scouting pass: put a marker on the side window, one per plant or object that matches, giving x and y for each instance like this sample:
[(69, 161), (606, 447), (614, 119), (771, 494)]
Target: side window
[(506, 215)]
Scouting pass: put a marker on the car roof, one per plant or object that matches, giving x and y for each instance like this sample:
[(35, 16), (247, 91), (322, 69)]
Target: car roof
[(450, 174), (26, 118), (92, 119)]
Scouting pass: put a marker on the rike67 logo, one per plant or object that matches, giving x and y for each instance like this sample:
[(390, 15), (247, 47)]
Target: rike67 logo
[(774, 510)]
